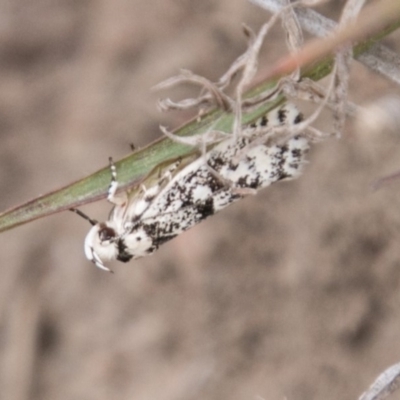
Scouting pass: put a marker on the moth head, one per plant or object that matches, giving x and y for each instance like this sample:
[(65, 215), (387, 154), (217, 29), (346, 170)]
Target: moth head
[(101, 244)]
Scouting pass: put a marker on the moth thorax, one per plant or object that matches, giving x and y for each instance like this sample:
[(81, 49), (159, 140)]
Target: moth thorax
[(138, 243)]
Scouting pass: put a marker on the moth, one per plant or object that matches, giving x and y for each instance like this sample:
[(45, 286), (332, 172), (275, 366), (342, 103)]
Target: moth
[(177, 195)]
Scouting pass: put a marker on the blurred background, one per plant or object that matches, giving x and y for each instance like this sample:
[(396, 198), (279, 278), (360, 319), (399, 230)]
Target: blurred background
[(291, 294)]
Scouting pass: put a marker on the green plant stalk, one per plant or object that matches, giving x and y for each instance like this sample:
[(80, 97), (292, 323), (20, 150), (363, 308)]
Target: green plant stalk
[(133, 168)]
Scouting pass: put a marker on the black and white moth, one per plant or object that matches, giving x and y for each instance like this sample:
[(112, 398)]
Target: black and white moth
[(179, 195)]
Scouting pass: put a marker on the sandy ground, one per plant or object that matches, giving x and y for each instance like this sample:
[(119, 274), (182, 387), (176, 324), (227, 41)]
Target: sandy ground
[(290, 294)]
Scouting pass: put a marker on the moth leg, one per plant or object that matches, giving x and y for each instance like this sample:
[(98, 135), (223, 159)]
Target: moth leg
[(149, 193), (169, 173), (113, 197), (143, 188)]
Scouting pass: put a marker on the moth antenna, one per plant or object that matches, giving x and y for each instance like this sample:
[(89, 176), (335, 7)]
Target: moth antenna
[(84, 216)]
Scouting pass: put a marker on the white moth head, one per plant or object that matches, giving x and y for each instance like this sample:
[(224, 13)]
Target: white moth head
[(103, 243)]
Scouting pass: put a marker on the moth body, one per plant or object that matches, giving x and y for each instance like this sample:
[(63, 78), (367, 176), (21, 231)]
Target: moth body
[(174, 198)]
